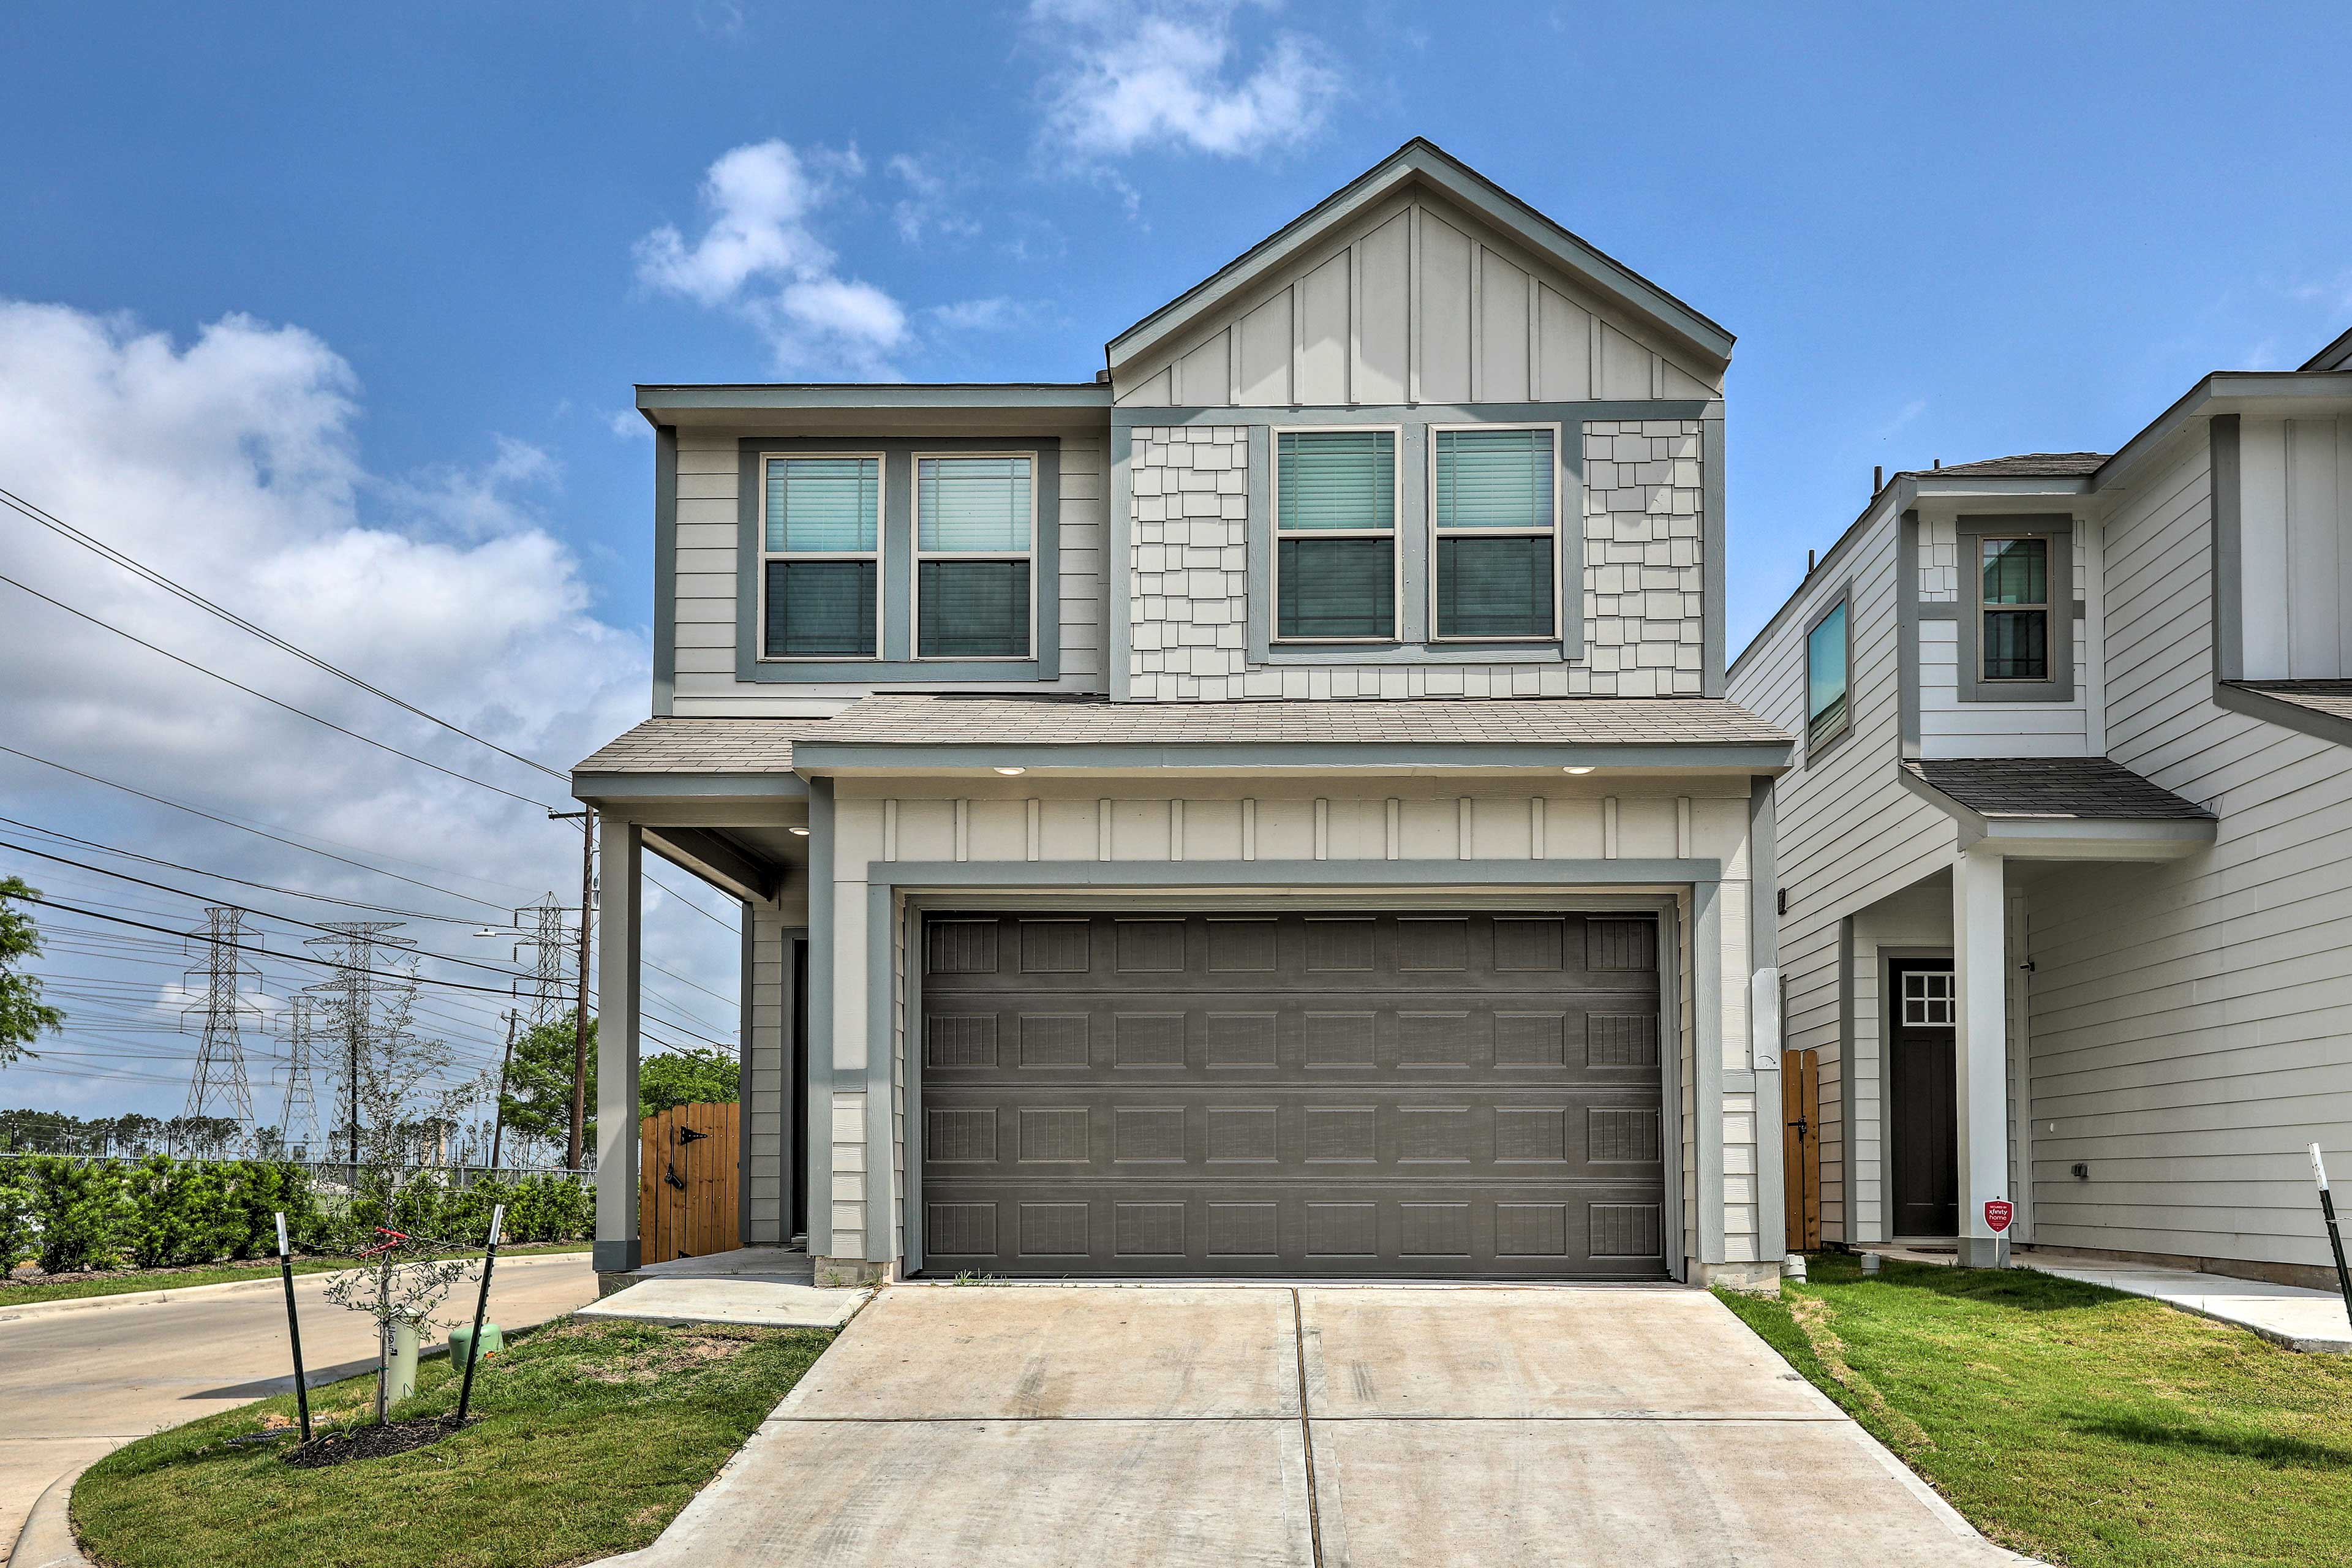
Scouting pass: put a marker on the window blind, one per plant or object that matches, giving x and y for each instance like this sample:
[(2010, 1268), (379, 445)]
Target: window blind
[(1337, 480), (1494, 479), (824, 504), (979, 505), (817, 608)]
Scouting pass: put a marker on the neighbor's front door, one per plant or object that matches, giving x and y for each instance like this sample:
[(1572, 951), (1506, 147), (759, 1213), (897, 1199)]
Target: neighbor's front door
[(1923, 1135)]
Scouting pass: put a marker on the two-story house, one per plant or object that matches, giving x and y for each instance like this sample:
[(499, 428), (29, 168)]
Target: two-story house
[(1269, 808), (2066, 854)]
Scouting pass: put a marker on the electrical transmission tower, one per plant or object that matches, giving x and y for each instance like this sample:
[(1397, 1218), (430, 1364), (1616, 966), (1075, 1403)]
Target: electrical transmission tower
[(219, 1088), (299, 1125), (352, 996), (544, 932)]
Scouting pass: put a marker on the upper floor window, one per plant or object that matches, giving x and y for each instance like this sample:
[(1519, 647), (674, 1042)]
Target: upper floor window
[(1827, 651), (820, 562), (975, 536), (2015, 641), (1495, 511), (1335, 536)]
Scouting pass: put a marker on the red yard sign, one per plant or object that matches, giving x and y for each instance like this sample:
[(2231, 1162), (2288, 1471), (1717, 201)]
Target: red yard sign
[(1997, 1215)]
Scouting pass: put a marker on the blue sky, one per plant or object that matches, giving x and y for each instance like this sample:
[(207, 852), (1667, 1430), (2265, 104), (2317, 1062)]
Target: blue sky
[(286, 287)]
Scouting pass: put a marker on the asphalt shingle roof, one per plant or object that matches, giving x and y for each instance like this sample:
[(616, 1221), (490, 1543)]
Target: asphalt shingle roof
[(2333, 698), (2025, 465), (2057, 787), (916, 719), (703, 746)]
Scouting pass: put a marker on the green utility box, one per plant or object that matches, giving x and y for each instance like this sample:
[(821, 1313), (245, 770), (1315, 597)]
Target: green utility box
[(492, 1343)]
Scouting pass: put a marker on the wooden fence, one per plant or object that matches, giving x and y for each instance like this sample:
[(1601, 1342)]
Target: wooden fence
[(687, 1183)]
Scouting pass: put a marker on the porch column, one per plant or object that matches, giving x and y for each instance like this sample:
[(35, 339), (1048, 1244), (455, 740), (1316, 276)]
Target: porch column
[(619, 914), (1980, 1081)]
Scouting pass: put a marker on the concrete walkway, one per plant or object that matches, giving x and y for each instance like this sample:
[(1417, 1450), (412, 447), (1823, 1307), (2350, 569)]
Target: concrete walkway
[(1351, 1428), (2284, 1314), (768, 1286)]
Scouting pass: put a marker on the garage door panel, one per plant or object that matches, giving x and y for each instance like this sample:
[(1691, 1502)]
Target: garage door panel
[(1416, 1093)]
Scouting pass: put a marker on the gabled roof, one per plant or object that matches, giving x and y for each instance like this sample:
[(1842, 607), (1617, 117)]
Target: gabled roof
[(2025, 465), (1423, 161)]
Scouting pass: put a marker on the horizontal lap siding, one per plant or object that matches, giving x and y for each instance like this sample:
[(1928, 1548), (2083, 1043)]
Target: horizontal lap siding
[(1849, 836), (708, 568), (2189, 1019)]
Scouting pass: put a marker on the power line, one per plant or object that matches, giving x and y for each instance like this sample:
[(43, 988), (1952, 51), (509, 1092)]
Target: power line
[(226, 822), (274, 702), (690, 903), (99, 547)]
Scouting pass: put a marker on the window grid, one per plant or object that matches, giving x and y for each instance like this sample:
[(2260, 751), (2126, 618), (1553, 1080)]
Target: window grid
[(2013, 581), (1383, 445), (940, 467), (1441, 438), (1928, 999), (778, 474)]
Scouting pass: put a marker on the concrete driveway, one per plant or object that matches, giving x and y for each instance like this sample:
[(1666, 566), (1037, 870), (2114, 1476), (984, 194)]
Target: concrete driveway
[(1360, 1427), (79, 1381)]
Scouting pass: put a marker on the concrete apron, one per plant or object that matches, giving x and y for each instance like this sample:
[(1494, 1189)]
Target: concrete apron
[(1309, 1425)]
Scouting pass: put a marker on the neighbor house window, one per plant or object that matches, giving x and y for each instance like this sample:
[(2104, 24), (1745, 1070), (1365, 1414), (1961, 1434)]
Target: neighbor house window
[(1495, 515), (2015, 641), (821, 557), (975, 531), (1335, 535), (1826, 713)]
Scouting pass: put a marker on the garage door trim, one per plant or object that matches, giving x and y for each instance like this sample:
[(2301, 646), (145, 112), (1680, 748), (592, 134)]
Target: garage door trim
[(914, 906)]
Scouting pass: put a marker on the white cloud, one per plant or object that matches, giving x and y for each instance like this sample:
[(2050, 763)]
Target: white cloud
[(760, 256), (929, 208), (628, 425), (230, 463), (1170, 73), (995, 314)]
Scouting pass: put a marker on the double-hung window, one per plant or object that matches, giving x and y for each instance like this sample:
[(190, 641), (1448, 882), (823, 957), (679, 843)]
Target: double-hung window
[(2014, 640), (975, 535), (1827, 649), (820, 558), (1335, 536), (1495, 507)]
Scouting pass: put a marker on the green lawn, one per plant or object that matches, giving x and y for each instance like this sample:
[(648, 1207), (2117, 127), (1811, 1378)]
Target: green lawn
[(591, 1436), (2078, 1425), (131, 1281)]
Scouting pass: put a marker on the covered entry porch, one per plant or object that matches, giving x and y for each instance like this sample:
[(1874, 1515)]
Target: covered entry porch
[(1936, 1092)]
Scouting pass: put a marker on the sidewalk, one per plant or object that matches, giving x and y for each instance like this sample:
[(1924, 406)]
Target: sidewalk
[(2287, 1315)]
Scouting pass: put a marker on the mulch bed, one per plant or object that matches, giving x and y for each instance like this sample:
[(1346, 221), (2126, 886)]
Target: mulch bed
[(369, 1442)]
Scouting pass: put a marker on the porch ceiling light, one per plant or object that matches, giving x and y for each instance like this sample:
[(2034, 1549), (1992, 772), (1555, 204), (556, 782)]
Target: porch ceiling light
[(1576, 770), (797, 832), (1011, 773)]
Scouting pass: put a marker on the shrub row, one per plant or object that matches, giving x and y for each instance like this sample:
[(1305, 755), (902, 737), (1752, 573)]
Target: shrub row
[(161, 1213)]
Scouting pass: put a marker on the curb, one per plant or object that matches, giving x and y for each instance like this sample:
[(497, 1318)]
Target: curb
[(32, 1309), (46, 1540)]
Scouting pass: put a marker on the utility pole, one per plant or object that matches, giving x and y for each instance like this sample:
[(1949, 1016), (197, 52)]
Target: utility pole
[(571, 1156), (220, 1060), (351, 996), (498, 1107)]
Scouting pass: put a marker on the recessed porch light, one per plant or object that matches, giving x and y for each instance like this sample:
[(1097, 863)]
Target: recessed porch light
[(1011, 773), (797, 832), (1576, 770)]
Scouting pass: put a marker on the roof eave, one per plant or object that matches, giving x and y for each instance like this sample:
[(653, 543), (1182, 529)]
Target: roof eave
[(2021, 837), (1310, 756), (1424, 160)]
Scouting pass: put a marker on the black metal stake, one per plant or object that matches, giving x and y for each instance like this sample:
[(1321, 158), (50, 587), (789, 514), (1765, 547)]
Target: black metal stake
[(481, 1306), (2335, 1237), (294, 1328)]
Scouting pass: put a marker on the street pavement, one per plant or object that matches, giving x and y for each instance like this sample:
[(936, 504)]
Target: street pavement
[(75, 1385)]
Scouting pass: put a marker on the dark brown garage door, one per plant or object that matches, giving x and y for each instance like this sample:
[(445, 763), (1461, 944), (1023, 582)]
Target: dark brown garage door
[(1462, 1095)]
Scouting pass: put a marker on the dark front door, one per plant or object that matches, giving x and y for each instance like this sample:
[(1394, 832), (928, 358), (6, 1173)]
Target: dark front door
[(1441, 1094), (1922, 1137)]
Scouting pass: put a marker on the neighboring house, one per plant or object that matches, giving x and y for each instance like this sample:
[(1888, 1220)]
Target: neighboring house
[(2066, 856), (1270, 808)]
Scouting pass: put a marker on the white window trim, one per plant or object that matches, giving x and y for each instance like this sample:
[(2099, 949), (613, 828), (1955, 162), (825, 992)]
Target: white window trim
[(1558, 521), (881, 516), (915, 653), (2047, 608), (1393, 533)]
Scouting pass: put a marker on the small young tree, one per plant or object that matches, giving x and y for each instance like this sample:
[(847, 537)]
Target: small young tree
[(24, 1016), (396, 1090), (687, 1075)]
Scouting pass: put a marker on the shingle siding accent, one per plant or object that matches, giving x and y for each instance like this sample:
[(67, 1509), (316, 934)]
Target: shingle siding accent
[(1645, 582), (1188, 590)]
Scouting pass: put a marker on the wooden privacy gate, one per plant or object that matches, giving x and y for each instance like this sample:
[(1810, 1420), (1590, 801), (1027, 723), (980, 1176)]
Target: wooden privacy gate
[(687, 1183), (1800, 1146)]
